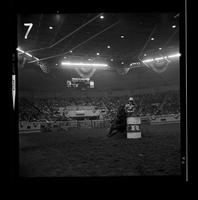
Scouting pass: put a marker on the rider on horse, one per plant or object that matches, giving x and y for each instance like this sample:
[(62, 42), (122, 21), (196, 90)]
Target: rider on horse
[(120, 122), (130, 107)]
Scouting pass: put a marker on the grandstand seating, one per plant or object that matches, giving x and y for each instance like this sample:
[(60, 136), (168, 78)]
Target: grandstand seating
[(35, 109)]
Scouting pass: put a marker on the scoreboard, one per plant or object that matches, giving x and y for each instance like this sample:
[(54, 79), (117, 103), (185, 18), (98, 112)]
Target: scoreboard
[(80, 83)]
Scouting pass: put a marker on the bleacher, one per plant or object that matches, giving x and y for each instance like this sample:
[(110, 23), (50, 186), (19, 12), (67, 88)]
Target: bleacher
[(160, 103)]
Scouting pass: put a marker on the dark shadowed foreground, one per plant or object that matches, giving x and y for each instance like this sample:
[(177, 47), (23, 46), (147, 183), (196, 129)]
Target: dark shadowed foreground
[(88, 152)]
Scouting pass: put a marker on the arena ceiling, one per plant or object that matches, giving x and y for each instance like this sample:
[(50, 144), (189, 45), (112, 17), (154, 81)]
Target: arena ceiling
[(117, 37), (135, 28)]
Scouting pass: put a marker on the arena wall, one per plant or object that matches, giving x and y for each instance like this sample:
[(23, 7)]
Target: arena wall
[(29, 127)]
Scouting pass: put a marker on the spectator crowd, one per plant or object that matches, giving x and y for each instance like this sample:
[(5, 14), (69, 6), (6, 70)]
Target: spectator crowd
[(160, 103)]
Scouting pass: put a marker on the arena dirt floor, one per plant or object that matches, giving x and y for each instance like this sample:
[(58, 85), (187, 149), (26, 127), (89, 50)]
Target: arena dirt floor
[(88, 152)]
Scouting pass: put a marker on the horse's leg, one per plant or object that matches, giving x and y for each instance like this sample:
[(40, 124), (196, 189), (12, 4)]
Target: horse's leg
[(112, 128), (115, 132), (115, 128)]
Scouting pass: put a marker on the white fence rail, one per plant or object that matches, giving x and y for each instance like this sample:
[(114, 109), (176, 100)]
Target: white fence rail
[(31, 127)]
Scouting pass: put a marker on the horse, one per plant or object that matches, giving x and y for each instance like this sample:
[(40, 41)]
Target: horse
[(119, 124)]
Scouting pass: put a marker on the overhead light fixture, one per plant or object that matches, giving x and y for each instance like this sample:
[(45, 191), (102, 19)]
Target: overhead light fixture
[(56, 64), (160, 48), (70, 51), (84, 64), (145, 54), (161, 58), (152, 38), (18, 49), (97, 54), (101, 17), (122, 63), (122, 36), (173, 26), (148, 60), (135, 64), (50, 27), (111, 59), (108, 47), (28, 54), (174, 55)]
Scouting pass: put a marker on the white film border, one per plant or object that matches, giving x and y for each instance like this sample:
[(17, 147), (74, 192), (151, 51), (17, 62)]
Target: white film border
[(13, 89)]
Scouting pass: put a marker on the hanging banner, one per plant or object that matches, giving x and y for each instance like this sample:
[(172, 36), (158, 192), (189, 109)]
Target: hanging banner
[(123, 70), (159, 65), (85, 72), (44, 67)]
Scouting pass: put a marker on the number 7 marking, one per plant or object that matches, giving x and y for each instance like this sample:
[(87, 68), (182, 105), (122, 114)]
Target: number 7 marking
[(30, 26)]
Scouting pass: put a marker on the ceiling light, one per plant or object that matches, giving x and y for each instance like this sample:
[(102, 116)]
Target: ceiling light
[(108, 47), (101, 17), (56, 64), (111, 59), (122, 36), (152, 38), (28, 54), (70, 51), (160, 48), (160, 58), (84, 64), (145, 54), (50, 27), (97, 54), (20, 50), (148, 60), (174, 26), (174, 55), (122, 63)]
